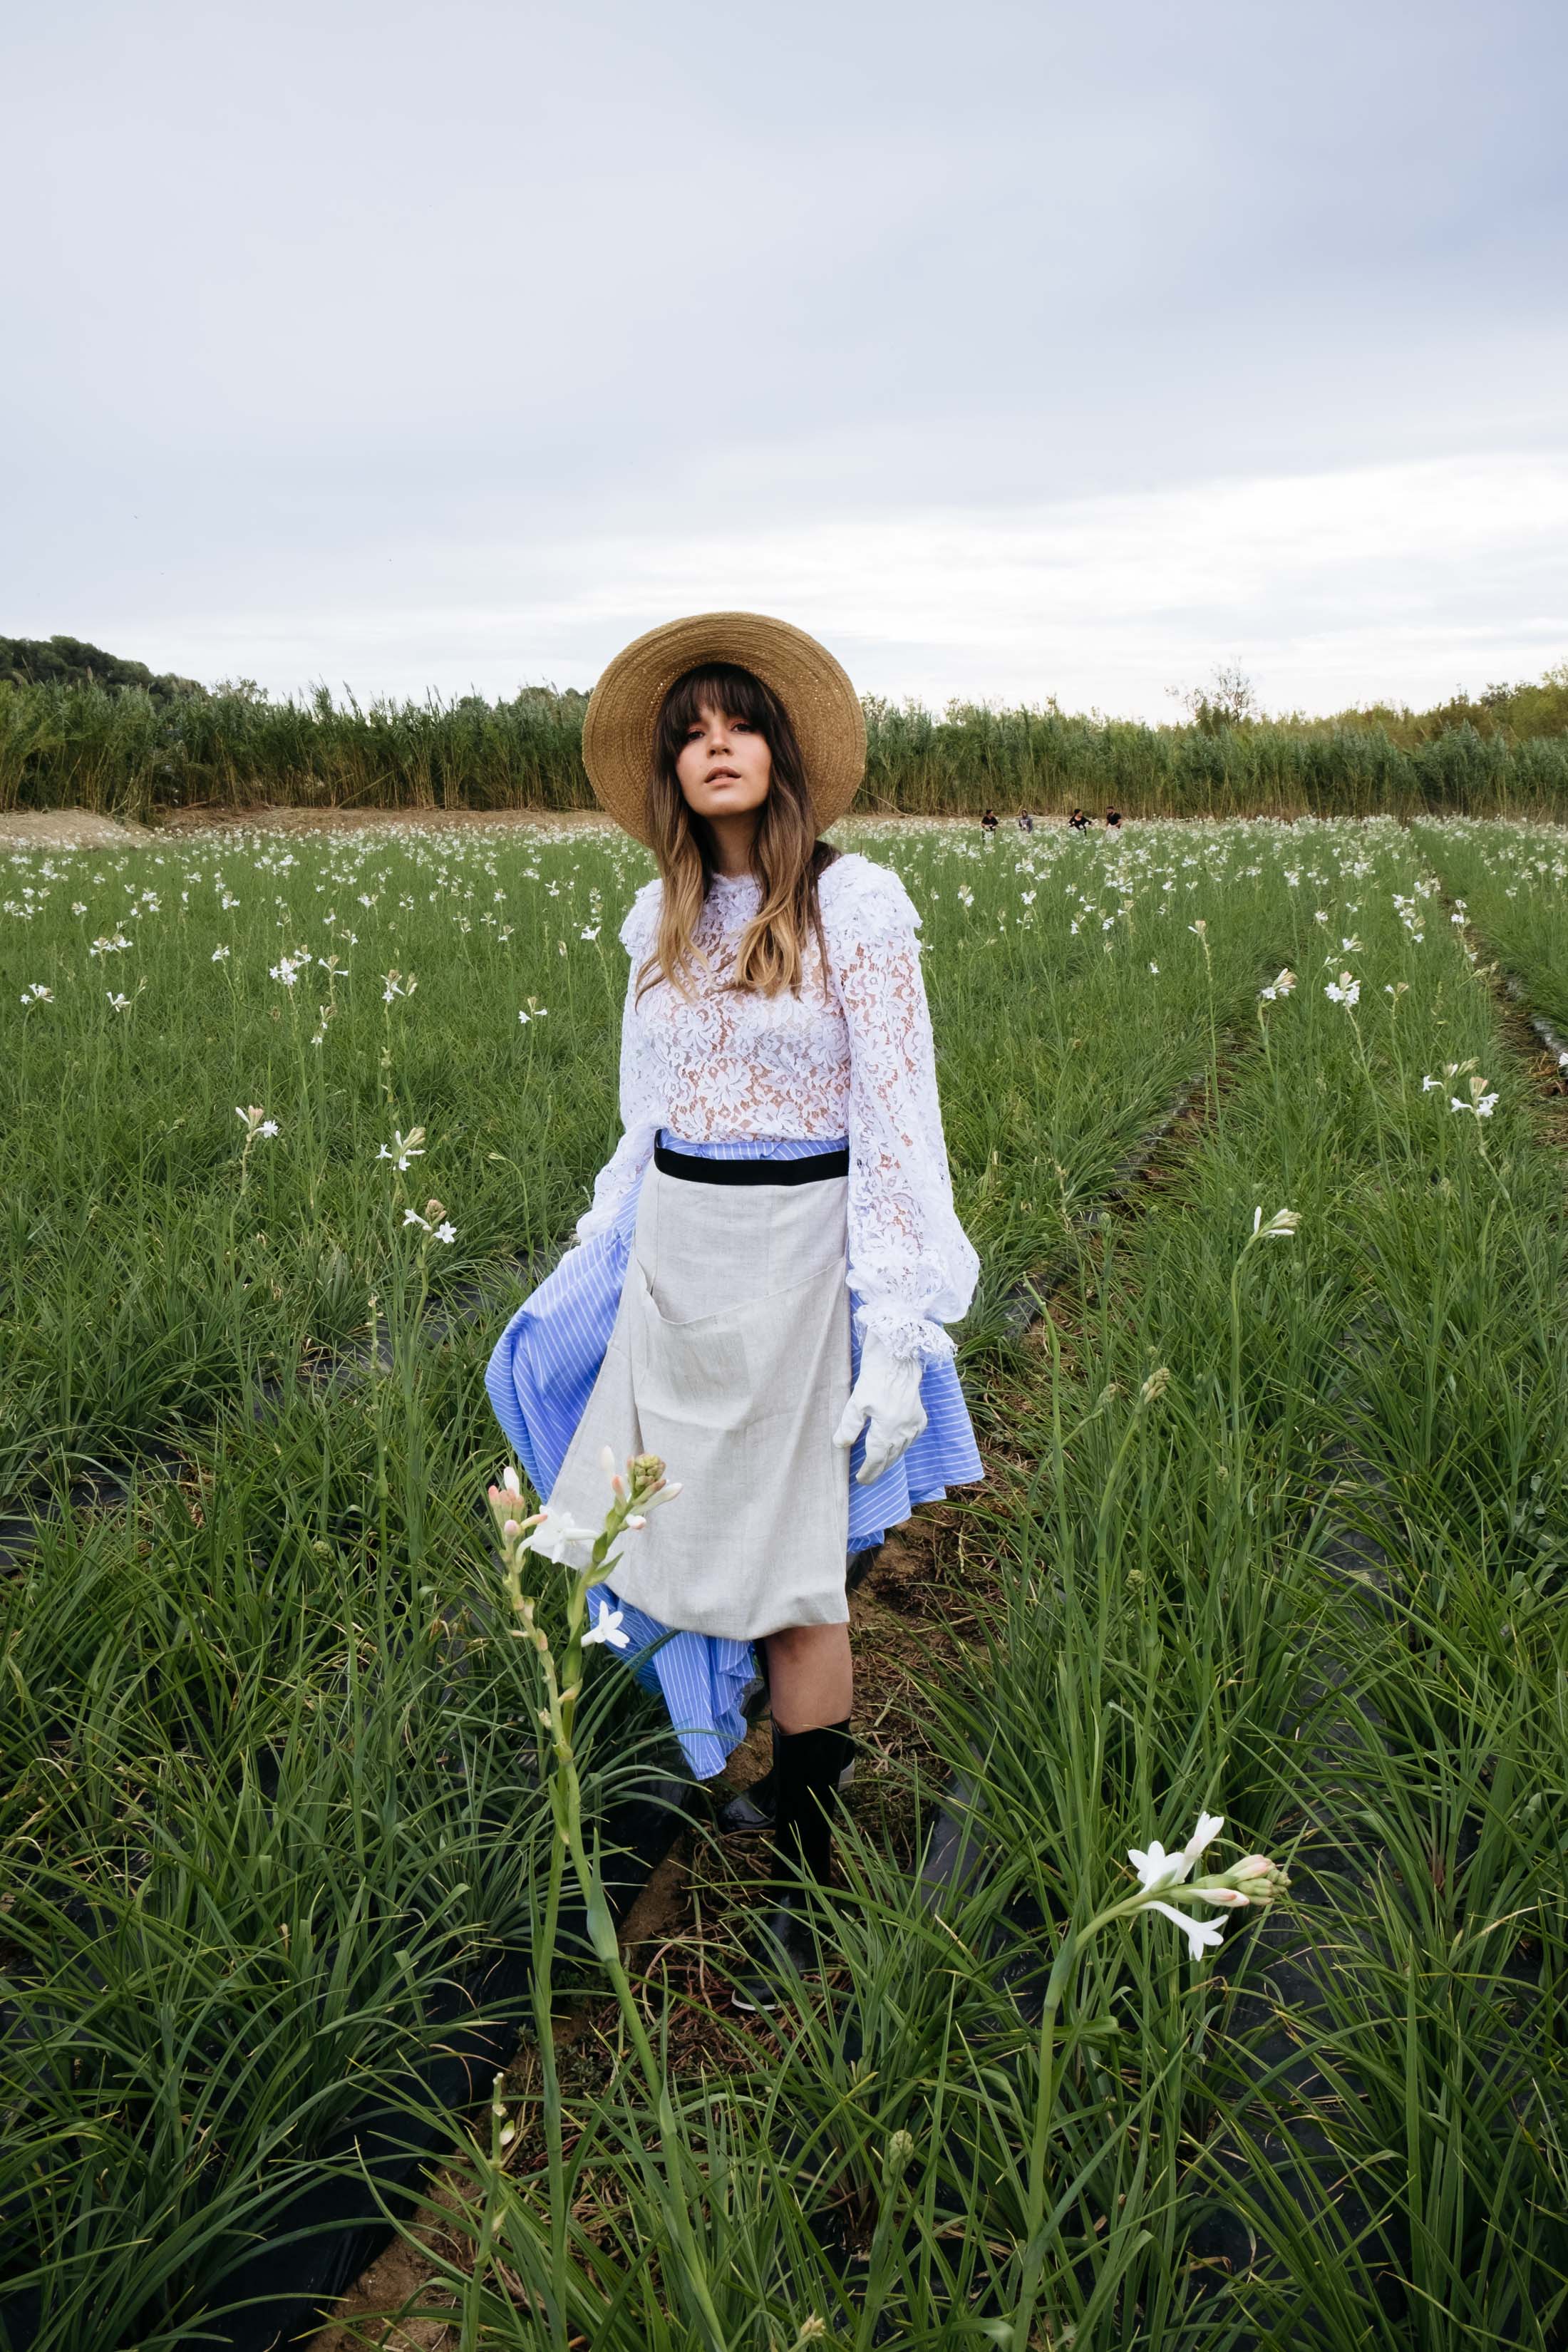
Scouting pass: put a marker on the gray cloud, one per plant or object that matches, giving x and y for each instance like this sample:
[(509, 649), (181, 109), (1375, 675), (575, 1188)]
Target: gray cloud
[(355, 340)]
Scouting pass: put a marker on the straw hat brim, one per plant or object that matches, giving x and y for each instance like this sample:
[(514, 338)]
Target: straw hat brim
[(623, 710)]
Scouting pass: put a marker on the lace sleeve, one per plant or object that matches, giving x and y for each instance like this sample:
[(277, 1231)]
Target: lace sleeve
[(910, 1262), (642, 1100)]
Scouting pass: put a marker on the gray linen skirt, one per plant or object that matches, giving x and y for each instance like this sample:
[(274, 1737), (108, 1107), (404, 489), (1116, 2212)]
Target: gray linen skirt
[(729, 1359)]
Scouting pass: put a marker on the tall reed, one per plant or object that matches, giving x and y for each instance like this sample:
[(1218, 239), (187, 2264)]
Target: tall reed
[(133, 754)]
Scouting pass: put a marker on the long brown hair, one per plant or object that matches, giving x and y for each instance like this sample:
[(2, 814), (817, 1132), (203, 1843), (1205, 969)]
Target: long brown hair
[(786, 855)]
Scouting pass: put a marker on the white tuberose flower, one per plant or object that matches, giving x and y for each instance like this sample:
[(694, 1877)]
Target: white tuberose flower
[(1201, 1934), (1156, 1868), (404, 1147), (555, 1539), (606, 1627), (1208, 1829)]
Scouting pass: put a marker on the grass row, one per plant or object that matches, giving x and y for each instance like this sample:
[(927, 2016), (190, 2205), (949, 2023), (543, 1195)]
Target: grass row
[(1512, 883), (1347, 2135), (154, 1268), (265, 1781), (266, 1784)]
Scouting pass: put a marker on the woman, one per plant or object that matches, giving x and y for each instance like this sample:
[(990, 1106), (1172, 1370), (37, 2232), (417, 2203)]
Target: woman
[(772, 1249)]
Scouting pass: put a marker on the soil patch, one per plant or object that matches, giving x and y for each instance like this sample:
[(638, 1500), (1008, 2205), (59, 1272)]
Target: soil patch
[(69, 829), (368, 820)]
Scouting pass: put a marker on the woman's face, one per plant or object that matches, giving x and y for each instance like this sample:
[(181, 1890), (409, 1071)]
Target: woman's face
[(724, 766)]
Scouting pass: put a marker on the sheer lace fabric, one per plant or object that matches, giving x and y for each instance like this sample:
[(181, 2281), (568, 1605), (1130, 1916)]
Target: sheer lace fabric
[(851, 1057)]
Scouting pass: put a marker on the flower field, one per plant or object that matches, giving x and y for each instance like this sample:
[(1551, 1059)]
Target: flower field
[(1275, 1530)]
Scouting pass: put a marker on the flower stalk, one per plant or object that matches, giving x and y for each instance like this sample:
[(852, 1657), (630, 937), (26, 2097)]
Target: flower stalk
[(672, 2176), (1165, 1880)]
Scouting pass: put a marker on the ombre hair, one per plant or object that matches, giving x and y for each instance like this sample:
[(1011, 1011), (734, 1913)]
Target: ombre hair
[(786, 855)]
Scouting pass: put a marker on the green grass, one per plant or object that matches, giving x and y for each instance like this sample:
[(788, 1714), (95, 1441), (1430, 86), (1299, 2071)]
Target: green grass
[(264, 1780)]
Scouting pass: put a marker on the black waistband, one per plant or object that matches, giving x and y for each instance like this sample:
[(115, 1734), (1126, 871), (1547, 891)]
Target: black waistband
[(811, 1170)]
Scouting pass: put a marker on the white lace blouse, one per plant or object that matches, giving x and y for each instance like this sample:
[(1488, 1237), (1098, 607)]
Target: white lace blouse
[(854, 1059)]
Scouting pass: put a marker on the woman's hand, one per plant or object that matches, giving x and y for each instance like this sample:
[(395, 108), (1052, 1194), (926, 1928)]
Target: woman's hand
[(888, 1396)]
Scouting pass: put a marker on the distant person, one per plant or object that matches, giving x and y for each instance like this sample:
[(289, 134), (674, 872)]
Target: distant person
[(1078, 821), (1113, 820), (1025, 822), (988, 822)]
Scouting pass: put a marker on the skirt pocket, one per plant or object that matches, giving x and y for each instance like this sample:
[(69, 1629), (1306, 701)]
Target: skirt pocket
[(691, 1374)]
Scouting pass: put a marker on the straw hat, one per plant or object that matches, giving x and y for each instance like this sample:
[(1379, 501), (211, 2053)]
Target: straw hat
[(822, 707)]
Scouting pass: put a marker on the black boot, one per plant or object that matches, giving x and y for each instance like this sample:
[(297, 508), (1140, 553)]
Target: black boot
[(752, 1810), (808, 1770)]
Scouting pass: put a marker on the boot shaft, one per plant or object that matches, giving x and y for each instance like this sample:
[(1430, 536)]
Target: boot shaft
[(807, 1766)]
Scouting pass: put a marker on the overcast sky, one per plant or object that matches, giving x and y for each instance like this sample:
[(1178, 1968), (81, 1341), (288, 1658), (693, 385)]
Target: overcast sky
[(1011, 349)]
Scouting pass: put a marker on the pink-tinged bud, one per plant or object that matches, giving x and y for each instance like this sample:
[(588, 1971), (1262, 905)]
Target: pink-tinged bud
[(1264, 1880), (636, 1519), (510, 1531), (618, 1483), (1230, 1898)]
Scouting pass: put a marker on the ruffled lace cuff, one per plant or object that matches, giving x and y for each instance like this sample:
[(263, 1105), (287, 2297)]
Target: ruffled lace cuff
[(903, 1332)]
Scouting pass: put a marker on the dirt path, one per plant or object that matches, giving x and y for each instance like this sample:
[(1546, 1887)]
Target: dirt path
[(913, 1616), (30, 828)]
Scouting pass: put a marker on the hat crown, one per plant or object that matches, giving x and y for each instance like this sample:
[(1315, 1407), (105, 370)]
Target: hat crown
[(618, 728)]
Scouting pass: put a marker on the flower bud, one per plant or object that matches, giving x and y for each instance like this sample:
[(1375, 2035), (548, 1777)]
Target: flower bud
[(1263, 1880)]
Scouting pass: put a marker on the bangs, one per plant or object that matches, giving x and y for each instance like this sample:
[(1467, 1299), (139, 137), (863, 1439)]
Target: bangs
[(732, 691)]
